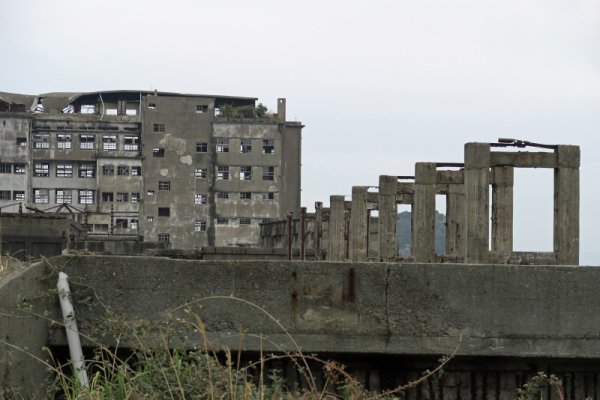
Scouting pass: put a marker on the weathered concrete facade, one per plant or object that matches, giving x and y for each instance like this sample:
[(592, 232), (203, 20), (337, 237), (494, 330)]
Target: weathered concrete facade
[(169, 167)]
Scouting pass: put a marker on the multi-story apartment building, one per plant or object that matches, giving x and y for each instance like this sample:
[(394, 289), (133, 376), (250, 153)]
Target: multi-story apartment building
[(193, 170)]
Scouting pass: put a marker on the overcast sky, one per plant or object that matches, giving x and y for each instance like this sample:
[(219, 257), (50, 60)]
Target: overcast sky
[(379, 85)]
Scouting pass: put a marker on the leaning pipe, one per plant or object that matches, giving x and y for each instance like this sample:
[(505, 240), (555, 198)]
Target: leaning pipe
[(66, 305)]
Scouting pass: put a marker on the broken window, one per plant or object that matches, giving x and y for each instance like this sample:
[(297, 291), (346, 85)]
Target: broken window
[(64, 170), (245, 221), (268, 146), (109, 142), (150, 193), (122, 197), (222, 221), (41, 141), (86, 142), (131, 111), (164, 212), (63, 196), (152, 106), (4, 194), (199, 225), (63, 141), (107, 197), (136, 171), (158, 152), (121, 223), (245, 145), (21, 141), (164, 185), (159, 127), (222, 195), (245, 195), (222, 145), (133, 223), (163, 237), (199, 198), (88, 109), (223, 172), (201, 108), (20, 168), (108, 170), (135, 197), (41, 169), (245, 173), (200, 173), (268, 196), (111, 111), (87, 170), (5, 168), (19, 195), (40, 196), (268, 173), (86, 197), (123, 170), (201, 147), (131, 143), (149, 219)]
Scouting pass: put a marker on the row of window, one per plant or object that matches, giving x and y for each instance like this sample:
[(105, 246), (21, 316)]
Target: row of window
[(200, 225), (120, 197), (120, 223), (223, 146), (64, 141), (200, 109), (42, 196), (17, 195), (9, 168), (41, 169)]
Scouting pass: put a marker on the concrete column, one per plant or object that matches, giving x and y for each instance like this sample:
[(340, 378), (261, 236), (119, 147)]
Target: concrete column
[(358, 224), (423, 213), (477, 180), (318, 229), (388, 218), (566, 205), (337, 245), (502, 209), (455, 220)]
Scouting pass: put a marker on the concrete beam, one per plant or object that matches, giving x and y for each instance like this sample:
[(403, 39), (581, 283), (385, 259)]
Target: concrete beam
[(523, 159)]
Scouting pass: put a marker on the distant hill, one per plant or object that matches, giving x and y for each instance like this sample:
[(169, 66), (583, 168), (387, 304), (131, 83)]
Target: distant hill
[(404, 233)]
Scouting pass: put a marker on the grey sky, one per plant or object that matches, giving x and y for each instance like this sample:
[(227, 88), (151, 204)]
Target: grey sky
[(379, 85)]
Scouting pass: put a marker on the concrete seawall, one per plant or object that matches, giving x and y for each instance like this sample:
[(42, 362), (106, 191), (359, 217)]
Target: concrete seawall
[(528, 315)]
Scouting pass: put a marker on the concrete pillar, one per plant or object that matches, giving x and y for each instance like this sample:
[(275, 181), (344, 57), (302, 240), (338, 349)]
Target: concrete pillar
[(358, 224), (566, 205), (388, 218), (337, 245), (318, 229), (477, 180), (423, 213), (502, 209), (455, 220)]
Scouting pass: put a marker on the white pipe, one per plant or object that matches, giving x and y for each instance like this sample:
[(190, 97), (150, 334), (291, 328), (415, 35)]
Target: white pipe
[(66, 305)]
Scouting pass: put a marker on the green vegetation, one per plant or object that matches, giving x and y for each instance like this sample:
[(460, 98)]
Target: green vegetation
[(230, 111), (404, 233)]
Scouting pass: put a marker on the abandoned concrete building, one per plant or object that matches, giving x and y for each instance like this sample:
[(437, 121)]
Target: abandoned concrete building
[(192, 170)]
